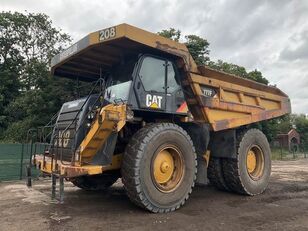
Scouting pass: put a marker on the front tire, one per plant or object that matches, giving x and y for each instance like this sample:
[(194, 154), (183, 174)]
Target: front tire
[(159, 167)]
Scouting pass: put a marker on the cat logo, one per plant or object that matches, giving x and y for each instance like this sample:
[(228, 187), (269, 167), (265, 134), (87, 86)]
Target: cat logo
[(153, 101)]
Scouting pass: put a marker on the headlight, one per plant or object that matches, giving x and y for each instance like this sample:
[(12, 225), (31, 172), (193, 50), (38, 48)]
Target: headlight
[(129, 115), (91, 116)]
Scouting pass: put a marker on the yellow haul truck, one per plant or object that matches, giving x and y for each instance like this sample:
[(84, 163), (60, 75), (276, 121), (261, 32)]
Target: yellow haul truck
[(159, 121)]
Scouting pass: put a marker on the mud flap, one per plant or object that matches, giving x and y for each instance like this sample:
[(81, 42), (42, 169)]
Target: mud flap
[(200, 135), (201, 172), (223, 144)]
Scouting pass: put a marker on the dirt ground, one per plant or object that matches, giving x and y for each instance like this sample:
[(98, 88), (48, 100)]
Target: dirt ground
[(284, 206)]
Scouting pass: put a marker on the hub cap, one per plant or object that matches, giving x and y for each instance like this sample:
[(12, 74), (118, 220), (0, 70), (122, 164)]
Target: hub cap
[(255, 162), (167, 169)]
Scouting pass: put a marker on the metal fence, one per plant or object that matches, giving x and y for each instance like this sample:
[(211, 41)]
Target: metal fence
[(15, 157), (13, 160), (280, 153)]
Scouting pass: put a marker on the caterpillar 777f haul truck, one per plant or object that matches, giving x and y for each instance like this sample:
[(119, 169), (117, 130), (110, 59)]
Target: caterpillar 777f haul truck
[(159, 122)]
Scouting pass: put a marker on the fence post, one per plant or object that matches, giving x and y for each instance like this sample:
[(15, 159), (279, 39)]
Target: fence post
[(29, 167), (21, 161)]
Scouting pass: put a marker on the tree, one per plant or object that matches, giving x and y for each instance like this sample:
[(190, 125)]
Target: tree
[(27, 97), (197, 46), (9, 86), (171, 33), (301, 124), (228, 68), (238, 70), (28, 42), (257, 76)]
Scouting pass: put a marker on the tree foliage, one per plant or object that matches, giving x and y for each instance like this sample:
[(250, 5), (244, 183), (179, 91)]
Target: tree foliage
[(197, 46), (300, 122), (28, 95), (238, 70), (171, 33)]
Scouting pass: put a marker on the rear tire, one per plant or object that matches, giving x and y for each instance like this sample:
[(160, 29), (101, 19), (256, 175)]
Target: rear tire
[(215, 174), (95, 182), (145, 171), (249, 173)]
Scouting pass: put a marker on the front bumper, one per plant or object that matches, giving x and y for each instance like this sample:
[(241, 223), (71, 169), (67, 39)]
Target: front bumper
[(48, 166)]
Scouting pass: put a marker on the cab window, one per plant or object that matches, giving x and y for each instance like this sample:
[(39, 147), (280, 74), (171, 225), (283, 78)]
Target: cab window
[(172, 83), (152, 74)]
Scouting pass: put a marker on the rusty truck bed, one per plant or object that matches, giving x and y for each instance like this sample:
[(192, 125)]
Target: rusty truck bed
[(236, 102)]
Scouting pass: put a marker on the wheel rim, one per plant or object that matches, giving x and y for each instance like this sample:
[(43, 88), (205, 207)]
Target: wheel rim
[(255, 162), (168, 169)]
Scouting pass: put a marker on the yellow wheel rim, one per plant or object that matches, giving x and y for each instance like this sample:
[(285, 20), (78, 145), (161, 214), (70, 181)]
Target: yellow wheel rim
[(251, 161), (255, 162), (163, 167), (167, 169)]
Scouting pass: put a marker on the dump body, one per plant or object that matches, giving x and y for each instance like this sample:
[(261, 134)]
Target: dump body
[(237, 101), (222, 100)]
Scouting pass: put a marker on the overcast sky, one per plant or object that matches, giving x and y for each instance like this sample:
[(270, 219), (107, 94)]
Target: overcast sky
[(271, 36)]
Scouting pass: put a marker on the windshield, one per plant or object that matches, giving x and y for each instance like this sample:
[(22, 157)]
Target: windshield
[(118, 92), (119, 82)]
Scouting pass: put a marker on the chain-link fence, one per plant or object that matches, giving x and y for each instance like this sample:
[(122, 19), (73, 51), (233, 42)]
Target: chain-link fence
[(14, 158)]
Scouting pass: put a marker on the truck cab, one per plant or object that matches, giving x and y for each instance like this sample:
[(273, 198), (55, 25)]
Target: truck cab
[(152, 83)]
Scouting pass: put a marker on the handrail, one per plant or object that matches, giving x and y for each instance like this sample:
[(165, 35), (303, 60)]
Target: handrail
[(57, 139), (101, 83)]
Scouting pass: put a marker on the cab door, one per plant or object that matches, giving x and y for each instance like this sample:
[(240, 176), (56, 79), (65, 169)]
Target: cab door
[(150, 84), (157, 85)]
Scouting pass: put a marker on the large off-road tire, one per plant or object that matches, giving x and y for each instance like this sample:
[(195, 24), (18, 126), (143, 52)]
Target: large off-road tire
[(249, 173), (95, 182), (215, 174), (159, 167)]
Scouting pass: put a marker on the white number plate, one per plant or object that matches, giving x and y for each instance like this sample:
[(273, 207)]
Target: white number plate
[(107, 33)]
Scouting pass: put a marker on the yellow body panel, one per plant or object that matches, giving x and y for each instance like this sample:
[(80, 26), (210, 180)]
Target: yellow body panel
[(110, 118), (236, 104)]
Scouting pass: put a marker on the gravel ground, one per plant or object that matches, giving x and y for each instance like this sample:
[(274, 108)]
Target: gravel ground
[(284, 206)]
